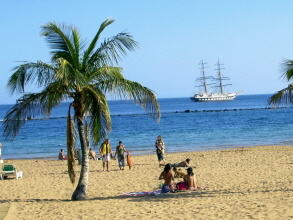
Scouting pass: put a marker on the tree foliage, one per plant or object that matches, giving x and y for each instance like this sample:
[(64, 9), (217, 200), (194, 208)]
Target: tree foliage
[(284, 96), (84, 76)]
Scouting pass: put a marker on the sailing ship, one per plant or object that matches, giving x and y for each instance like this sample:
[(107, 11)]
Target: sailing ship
[(205, 95)]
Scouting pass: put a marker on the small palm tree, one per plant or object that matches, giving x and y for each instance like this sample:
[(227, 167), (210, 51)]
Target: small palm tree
[(83, 76), (284, 96)]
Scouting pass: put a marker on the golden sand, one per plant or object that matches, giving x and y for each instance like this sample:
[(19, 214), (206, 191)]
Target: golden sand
[(246, 183)]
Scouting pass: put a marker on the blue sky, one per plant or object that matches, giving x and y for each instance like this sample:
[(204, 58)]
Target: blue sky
[(251, 39)]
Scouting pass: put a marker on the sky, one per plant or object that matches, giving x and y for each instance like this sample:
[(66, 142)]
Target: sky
[(251, 38)]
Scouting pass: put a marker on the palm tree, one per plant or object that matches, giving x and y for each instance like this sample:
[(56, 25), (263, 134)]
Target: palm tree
[(84, 76), (284, 96)]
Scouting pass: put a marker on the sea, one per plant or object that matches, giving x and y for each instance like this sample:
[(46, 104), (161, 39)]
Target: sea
[(185, 126)]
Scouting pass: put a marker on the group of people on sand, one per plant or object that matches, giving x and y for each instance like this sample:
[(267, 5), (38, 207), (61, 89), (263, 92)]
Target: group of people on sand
[(168, 175), (160, 149), (106, 154)]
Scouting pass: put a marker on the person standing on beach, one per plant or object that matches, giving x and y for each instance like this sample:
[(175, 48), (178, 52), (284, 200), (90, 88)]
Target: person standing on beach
[(160, 148), (105, 151), (120, 151)]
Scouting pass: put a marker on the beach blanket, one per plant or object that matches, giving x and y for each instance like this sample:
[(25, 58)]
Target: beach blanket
[(151, 193), (181, 186)]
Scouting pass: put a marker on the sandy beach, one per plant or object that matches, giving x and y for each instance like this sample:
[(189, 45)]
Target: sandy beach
[(243, 183)]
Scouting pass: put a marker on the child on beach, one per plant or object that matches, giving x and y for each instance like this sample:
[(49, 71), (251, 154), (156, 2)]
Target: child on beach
[(92, 154)]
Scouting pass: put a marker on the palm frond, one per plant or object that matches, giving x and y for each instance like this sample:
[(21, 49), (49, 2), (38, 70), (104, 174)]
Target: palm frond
[(78, 45), (69, 76), (284, 96), (71, 147), (112, 49), (288, 69), (93, 43), (105, 73), (33, 104), (99, 111), (53, 95), (63, 41), (141, 95), (39, 73), (27, 106)]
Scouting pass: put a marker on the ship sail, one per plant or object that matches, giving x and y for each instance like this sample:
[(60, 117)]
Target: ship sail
[(205, 95)]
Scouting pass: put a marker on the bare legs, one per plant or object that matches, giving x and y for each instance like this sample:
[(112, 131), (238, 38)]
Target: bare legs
[(104, 166), (161, 165)]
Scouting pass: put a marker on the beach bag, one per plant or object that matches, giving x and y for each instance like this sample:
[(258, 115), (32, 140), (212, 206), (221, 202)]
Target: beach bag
[(181, 186), (129, 161)]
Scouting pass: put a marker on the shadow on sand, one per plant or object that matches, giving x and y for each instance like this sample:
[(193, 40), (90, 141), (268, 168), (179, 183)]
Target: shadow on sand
[(153, 198)]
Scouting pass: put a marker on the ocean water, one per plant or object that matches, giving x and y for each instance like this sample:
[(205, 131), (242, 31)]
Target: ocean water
[(185, 126)]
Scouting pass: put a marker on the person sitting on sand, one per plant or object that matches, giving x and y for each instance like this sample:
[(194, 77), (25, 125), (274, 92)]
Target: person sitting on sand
[(61, 155), (167, 176), (190, 180), (92, 154)]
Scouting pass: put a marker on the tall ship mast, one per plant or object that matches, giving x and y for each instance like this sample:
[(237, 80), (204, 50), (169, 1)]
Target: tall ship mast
[(203, 79), (204, 95)]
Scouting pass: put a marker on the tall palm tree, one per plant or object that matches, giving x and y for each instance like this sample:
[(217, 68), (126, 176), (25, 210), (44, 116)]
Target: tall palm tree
[(83, 76), (284, 96)]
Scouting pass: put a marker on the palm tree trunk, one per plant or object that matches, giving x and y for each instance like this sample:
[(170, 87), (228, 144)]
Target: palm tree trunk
[(81, 188)]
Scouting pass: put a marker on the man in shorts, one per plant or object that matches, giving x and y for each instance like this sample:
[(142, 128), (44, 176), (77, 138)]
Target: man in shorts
[(105, 151)]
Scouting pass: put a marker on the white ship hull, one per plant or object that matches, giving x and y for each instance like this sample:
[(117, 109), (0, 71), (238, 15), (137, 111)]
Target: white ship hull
[(212, 97)]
